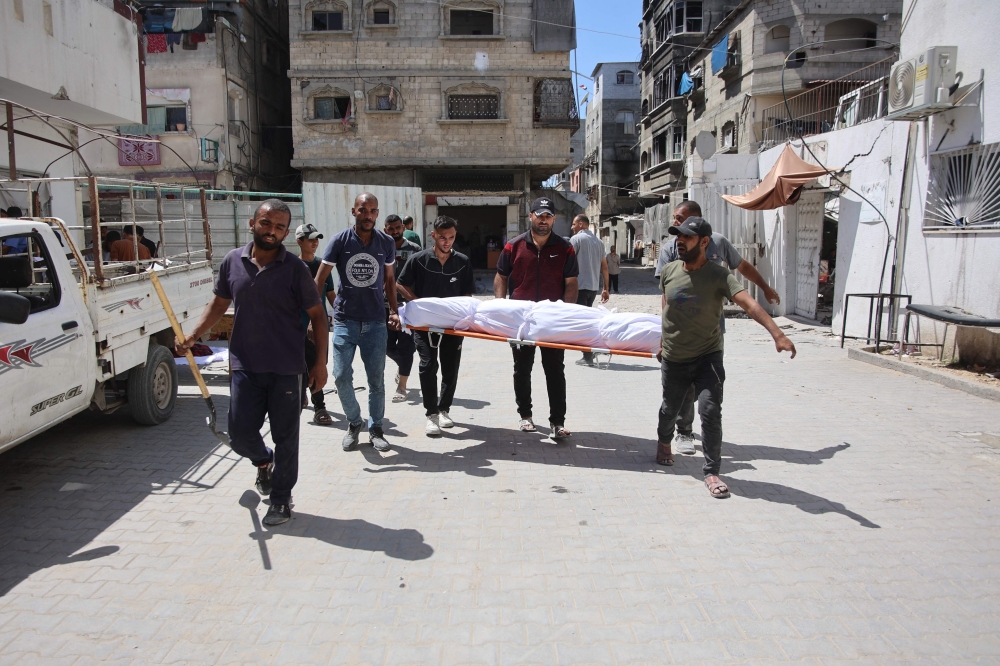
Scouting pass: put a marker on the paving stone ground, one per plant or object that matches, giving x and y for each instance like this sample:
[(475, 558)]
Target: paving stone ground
[(863, 528)]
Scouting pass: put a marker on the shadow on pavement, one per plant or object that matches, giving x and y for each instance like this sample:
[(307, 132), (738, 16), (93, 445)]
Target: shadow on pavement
[(613, 452), (63, 488)]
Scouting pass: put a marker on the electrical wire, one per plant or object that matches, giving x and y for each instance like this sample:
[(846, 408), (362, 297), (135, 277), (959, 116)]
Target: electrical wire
[(890, 239)]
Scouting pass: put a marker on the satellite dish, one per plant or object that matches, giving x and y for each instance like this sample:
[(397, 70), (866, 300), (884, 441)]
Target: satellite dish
[(704, 145)]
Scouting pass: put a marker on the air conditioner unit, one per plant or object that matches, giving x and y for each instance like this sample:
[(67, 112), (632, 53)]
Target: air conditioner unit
[(918, 87)]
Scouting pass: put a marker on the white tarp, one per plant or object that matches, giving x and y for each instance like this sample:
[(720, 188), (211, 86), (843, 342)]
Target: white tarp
[(627, 331), (564, 323), (500, 317), (439, 312)]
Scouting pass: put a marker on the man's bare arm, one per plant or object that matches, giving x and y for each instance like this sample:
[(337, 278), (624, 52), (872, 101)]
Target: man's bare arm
[(749, 271), (212, 314), (572, 290), (317, 373), (500, 286), (390, 295), (406, 292), (752, 308), (321, 275), (604, 273)]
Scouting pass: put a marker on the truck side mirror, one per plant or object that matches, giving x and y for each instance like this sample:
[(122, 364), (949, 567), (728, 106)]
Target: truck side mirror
[(14, 308)]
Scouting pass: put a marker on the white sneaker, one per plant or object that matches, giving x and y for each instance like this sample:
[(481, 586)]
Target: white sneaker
[(685, 444), (445, 421), (433, 427)]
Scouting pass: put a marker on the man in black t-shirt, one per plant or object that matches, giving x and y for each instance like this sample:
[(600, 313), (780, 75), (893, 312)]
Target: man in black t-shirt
[(438, 272), (399, 345)]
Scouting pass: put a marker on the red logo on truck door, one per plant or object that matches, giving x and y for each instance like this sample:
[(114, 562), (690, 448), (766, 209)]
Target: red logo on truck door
[(24, 354)]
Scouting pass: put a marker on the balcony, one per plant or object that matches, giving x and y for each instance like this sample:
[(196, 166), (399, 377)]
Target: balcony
[(555, 104), (859, 97)]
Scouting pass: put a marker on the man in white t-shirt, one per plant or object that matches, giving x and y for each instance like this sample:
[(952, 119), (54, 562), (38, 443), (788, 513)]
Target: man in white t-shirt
[(593, 266), (722, 252)]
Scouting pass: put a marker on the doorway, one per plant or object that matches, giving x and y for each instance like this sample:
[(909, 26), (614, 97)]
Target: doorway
[(481, 232)]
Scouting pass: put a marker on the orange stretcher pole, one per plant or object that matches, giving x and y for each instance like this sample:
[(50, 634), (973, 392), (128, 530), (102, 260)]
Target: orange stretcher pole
[(514, 341)]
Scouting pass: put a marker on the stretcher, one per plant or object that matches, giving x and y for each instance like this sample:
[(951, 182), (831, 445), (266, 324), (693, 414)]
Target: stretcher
[(532, 343)]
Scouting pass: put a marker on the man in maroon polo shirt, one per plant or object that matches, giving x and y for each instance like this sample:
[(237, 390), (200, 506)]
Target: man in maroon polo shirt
[(539, 266)]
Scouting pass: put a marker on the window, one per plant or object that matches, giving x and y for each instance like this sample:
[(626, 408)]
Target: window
[(555, 104), (660, 148), (686, 17), (322, 21), (176, 119), (961, 192), (729, 135), (473, 107), (382, 17), (625, 122), (331, 108), (777, 39), (852, 34), (383, 103), (645, 107), (677, 149), (663, 86), (644, 161), (471, 22), (625, 78), (25, 270)]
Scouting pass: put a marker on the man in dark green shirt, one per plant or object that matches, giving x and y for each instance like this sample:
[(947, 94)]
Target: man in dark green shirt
[(694, 290), (308, 238)]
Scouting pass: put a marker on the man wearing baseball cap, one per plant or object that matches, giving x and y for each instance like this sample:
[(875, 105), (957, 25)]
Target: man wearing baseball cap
[(308, 237), (694, 290), (537, 266)]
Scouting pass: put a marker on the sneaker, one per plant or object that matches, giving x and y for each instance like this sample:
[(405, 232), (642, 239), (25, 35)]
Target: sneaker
[(264, 479), (685, 444), (433, 427), (277, 514), (445, 420), (377, 439), (351, 436)]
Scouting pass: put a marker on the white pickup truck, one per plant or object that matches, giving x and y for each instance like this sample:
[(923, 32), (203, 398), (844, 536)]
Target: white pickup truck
[(71, 341)]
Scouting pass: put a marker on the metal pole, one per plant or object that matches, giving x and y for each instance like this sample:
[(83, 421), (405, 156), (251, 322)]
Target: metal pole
[(95, 228), (205, 225), (162, 246), (187, 240), (135, 232), (10, 141)]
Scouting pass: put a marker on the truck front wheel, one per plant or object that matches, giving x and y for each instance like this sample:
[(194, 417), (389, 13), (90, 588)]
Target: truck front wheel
[(152, 388)]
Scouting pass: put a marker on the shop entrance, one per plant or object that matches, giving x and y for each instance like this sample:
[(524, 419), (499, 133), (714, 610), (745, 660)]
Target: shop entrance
[(481, 231)]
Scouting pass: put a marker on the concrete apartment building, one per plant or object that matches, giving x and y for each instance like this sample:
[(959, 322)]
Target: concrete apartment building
[(471, 100), (670, 30), (609, 171), (736, 70), (217, 97)]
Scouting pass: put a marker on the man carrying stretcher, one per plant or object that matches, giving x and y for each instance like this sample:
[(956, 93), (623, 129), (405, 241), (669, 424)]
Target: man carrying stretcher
[(694, 290)]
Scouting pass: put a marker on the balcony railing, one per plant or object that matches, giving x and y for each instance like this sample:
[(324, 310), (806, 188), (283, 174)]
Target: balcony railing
[(857, 98)]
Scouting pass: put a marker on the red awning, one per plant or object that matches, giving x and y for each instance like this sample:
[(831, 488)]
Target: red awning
[(781, 186)]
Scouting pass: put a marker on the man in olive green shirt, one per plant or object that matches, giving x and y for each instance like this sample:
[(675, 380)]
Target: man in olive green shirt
[(694, 290)]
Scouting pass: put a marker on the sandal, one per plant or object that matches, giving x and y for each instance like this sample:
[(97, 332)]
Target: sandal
[(398, 397), (717, 489), (526, 425), (559, 432), (663, 454), (322, 418)]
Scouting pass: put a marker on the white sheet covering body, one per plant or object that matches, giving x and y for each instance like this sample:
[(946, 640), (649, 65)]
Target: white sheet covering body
[(438, 312), (501, 317), (628, 331), (564, 323)]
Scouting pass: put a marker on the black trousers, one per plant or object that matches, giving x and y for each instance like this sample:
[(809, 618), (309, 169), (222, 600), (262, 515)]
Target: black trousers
[(708, 376), (399, 346), (585, 297), (613, 282), (254, 396), (555, 381), (449, 351), (317, 398)]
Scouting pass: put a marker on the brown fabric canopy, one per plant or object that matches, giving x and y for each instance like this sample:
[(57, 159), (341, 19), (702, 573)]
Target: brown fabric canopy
[(781, 186)]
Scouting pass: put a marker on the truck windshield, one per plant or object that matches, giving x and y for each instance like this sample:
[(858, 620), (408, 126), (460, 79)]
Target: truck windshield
[(26, 269)]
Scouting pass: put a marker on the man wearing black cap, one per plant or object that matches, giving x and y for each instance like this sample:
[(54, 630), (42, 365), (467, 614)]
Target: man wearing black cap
[(539, 266), (308, 238), (694, 290)]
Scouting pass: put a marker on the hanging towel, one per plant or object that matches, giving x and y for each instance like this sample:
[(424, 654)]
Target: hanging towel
[(156, 43), (187, 19), (189, 44), (197, 37), (720, 55), (687, 84), (172, 40)]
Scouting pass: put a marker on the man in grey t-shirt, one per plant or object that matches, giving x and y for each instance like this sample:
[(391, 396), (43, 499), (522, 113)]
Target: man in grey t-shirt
[(722, 252), (590, 256)]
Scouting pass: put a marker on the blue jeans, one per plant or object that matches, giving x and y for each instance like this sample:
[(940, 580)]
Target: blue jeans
[(371, 337)]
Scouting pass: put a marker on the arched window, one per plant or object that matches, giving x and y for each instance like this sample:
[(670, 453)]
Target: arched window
[(645, 107), (644, 161), (472, 18), (852, 34), (380, 14), (473, 101), (326, 16), (625, 120), (625, 78), (777, 39), (329, 104), (384, 97)]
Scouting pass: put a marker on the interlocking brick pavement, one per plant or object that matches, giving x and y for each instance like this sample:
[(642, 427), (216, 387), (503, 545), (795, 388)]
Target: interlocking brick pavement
[(862, 528)]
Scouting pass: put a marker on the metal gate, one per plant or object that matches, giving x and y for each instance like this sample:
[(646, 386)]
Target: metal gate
[(739, 225), (808, 238)]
